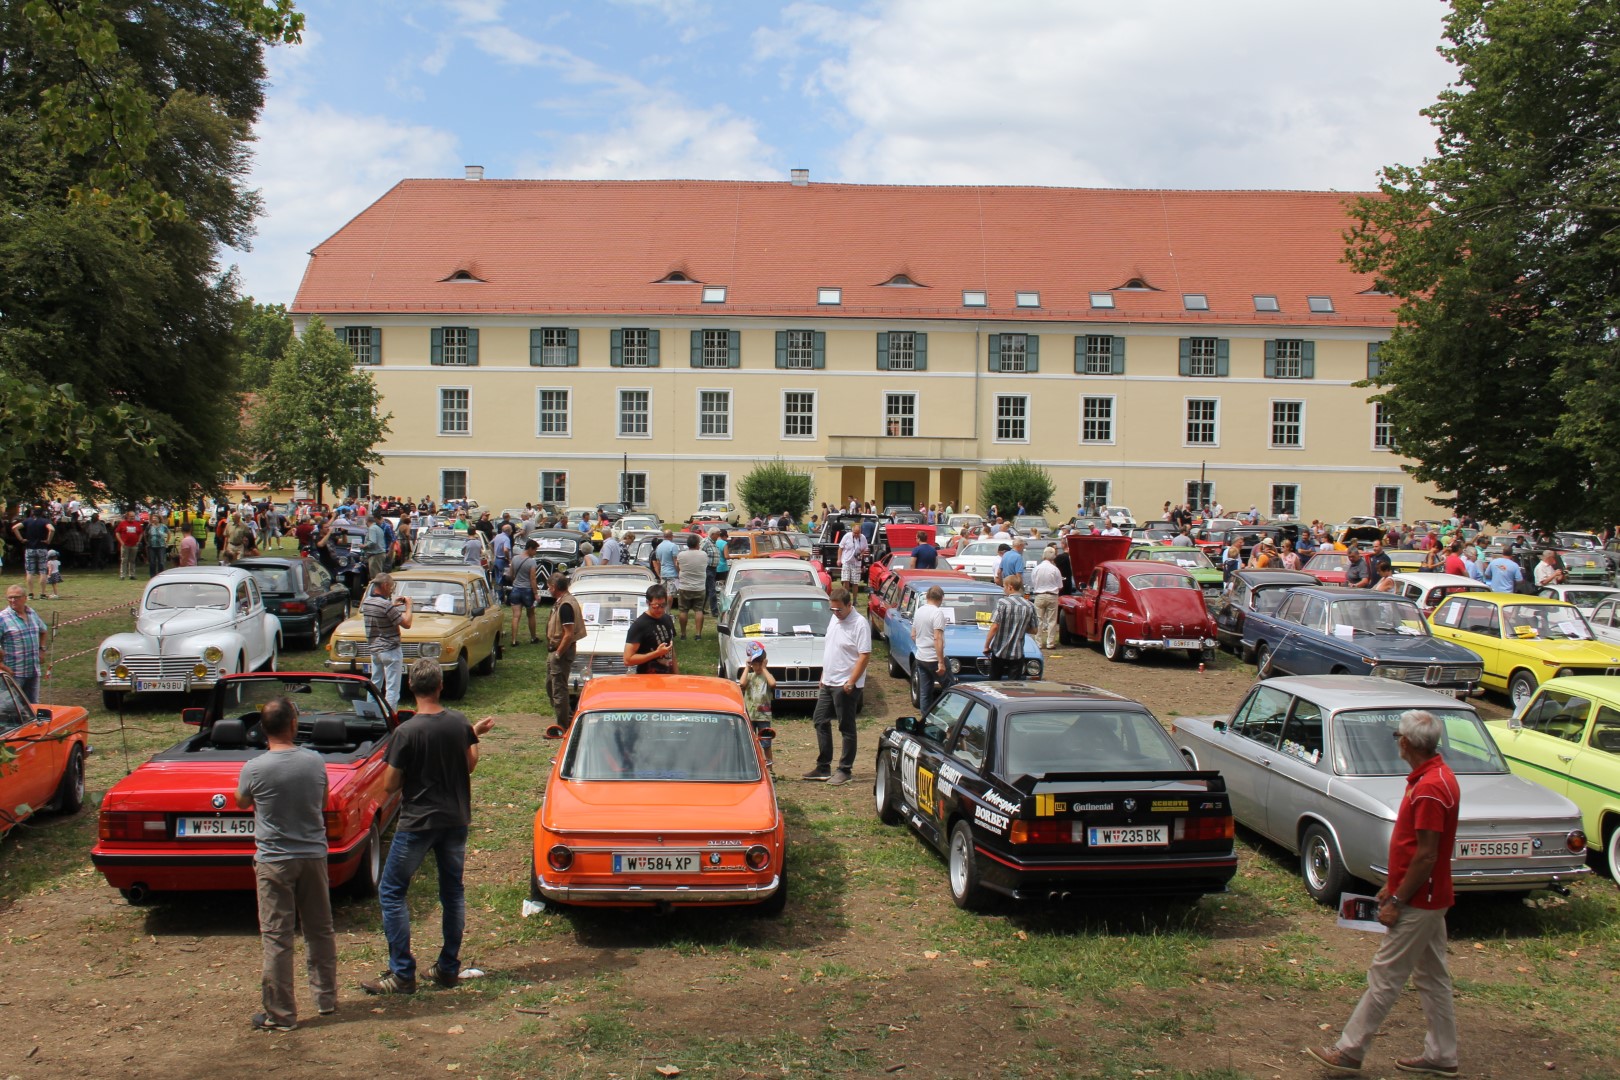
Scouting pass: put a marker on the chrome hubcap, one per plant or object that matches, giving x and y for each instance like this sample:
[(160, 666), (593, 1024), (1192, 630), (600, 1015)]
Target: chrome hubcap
[(958, 865)]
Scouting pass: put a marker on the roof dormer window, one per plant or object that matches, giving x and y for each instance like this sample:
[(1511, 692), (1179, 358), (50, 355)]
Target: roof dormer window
[(1027, 299), (1195, 301), (464, 275), (1266, 303), (830, 297), (975, 298), (676, 277), (1320, 305), (1136, 284), (1102, 300), (902, 281), (714, 294)]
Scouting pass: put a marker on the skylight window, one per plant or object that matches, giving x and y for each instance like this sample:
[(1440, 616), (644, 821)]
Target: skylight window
[(975, 298), (829, 296), (714, 294), (1195, 301), (1321, 305), (1028, 299), (1102, 299), (1266, 303)]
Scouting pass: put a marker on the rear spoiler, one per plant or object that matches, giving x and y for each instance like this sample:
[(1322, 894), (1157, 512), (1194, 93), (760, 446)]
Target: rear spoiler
[(1026, 783)]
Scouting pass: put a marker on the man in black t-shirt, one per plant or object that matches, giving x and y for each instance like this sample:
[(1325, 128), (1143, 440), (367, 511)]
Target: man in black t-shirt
[(431, 758), (35, 532), (649, 645)]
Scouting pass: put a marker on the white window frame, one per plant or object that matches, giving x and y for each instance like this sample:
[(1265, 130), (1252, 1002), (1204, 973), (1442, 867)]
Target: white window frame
[(1023, 353), (1028, 299), (995, 418), (465, 346), (1271, 421), (1213, 358), (645, 360), (623, 488), (724, 355), (358, 340), (975, 298), (539, 413), (1400, 500), (466, 484), (1209, 497), (916, 412), (553, 356), (1108, 492), (1297, 347), (540, 485), (1387, 447), (815, 416), (731, 399), (805, 352), (724, 496), (911, 361), (1272, 503), (1098, 360), (714, 294), (618, 412), (1187, 421), (830, 296), (439, 396), (1113, 420)]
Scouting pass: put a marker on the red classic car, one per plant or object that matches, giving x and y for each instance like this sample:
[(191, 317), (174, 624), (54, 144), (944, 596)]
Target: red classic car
[(892, 549), (1328, 567), (173, 825), (1131, 607), (42, 750)]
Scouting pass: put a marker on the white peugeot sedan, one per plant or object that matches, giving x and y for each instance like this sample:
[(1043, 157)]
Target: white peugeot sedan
[(790, 621)]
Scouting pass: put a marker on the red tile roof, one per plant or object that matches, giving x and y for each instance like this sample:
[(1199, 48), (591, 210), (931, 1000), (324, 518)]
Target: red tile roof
[(554, 247)]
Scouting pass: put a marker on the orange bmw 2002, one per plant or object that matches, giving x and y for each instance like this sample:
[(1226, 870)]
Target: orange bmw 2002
[(42, 750), (660, 797)]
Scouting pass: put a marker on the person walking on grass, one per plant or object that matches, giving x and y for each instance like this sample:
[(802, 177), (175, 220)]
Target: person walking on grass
[(847, 652), (691, 578), (431, 759), (525, 587), (286, 790), (565, 627), (22, 642), (1013, 619), (35, 532)]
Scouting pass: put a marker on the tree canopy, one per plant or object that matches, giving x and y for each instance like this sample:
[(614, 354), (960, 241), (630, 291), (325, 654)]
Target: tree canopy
[(1014, 482), (266, 332), (317, 422), (1502, 378), (774, 486)]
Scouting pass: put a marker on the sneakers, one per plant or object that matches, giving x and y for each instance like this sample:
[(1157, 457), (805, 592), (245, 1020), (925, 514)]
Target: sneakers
[(820, 772), (389, 983), (1335, 1059), (262, 1022), (839, 777), (446, 979), (1428, 1068)]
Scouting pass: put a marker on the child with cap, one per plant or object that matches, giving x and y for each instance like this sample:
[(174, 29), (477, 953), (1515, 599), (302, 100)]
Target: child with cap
[(53, 573), (758, 686)]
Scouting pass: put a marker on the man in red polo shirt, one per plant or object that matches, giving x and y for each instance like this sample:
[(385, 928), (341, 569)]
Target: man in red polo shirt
[(1413, 904)]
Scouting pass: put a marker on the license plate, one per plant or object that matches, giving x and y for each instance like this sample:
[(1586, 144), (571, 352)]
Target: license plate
[(1128, 836), (158, 686), (799, 693), (363, 667), (208, 828), (673, 863), (1184, 643), (1516, 847)]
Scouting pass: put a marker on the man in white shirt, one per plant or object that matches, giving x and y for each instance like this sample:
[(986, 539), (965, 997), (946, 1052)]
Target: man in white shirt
[(1001, 532), (843, 677), (1548, 571), (929, 666), (1045, 582), (849, 558)]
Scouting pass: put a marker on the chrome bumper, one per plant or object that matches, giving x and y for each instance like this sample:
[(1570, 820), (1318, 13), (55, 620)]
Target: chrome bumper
[(675, 894), (1159, 643)]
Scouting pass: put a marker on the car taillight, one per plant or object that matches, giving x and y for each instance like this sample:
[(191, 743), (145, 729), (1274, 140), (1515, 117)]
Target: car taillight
[(334, 825), (1204, 828), (1045, 832), (758, 857), (1576, 841), (294, 607), (559, 857), (132, 825)]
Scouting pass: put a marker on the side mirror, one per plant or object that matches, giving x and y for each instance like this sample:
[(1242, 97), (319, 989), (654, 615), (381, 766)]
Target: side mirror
[(766, 733), (42, 715), (194, 717), (907, 724), (403, 715), (723, 629), (1219, 726), (554, 732)]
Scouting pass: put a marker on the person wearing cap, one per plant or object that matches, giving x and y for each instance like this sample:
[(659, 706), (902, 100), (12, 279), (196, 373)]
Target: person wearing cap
[(1548, 572), (1265, 554), (758, 687)]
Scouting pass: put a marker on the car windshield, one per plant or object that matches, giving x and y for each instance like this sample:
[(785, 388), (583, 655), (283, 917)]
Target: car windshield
[(1388, 615), (188, 594), (787, 574), (444, 597), (611, 608), (1584, 560), (352, 699), (1065, 740), (1364, 743), (1266, 598), (636, 522), (1574, 539), (969, 608), (789, 616), (1031, 522), (1328, 562), (799, 541), (560, 544), (272, 579), (983, 547), (662, 745), (1186, 558), (441, 546), (1586, 597), (1161, 581), (1552, 621)]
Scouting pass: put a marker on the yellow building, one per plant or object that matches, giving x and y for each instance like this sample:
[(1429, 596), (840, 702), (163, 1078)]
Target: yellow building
[(552, 340)]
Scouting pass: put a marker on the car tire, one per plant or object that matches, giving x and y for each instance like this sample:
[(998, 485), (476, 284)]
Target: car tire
[(776, 903), (369, 876), (1064, 637), (275, 656), (455, 682), (895, 670), (1611, 852), (967, 890), (500, 649), (916, 687), (486, 666), (1110, 644), (69, 797), (534, 882), (883, 790), (112, 700), (1262, 661), (1521, 687), (1322, 866)]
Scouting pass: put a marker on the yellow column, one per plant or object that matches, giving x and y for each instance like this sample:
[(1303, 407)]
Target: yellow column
[(970, 492), (932, 495), (869, 485)]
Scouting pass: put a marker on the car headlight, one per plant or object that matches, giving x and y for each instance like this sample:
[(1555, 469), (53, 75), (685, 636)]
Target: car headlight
[(955, 666), (110, 656), (1386, 671), (213, 654), (1032, 668), (345, 648), (432, 649), (1564, 672)]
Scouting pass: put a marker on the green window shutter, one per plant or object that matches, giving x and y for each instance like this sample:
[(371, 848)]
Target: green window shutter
[(1375, 366), (734, 349), (818, 350), (472, 346), (1271, 359), (781, 348), (652, 348), (1223, 357), (1117, 345), (1186, 356), (1032, 352), (883, 351), (995, 352), (436, 348), (1307, 359), (1079, 354), (616, 348), (537, 339), (921, 339), (573, 348), (376, 344), (696, 359)]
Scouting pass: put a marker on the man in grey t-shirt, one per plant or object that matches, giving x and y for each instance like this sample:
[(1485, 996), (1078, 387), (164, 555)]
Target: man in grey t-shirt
[(286, 790), (384, 618)]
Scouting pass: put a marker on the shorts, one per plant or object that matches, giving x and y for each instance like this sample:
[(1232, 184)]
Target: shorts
[(520, 596), (34, 560), (691, 600)]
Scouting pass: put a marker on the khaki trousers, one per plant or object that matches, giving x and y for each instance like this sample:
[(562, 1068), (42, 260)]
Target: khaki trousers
[(1046, 610), (1415, 946), (293, 891)]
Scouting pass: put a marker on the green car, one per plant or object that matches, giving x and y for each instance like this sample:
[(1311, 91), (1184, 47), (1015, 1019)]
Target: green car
[(1567, 738), (1195, 562)]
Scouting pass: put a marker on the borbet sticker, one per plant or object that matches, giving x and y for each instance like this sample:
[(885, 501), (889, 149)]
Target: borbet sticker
[(993, 821)]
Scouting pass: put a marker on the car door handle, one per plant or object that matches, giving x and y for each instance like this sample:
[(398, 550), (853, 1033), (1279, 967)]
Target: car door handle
[(1266, 762), (1566, 760)]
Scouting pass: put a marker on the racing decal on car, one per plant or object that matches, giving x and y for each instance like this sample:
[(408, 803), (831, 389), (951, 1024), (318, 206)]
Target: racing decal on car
[(925, 791), (1000, 802), (908, 771), (996, 823), (1169, 806), (949, 774)]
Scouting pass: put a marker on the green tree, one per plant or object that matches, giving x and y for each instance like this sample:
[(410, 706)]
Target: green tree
[(266, 331), (317, 423), (774, 486), (1018, 481), (1502, 378)]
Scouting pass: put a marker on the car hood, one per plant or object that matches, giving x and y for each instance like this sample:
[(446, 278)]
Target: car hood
[(180, 622), (789, 650), (969, 641), (645, 805), (1584, 653), (604, 639), (1402, 648), (425, 625)]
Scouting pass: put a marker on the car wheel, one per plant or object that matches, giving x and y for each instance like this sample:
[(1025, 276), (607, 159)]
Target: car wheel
[(1110, 644), (1321, 866), (70, 792), (1611, 851), (500, 649), (534, 882), (1064, 637), (486, 666), (966, 889), (895, 670), (883, 790), (275, 656), (1521, 687), (369, 875), (112, 700), (916, 686), (1262, 661), (775, 903), (455, 683)]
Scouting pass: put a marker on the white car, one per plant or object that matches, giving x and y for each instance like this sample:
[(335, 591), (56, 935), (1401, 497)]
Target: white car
[(718, 511), (1605, 620), (640, 524), (1584, 597), (791, 622), (609, 603), (980, 559), (1118, 515), (195, 624), (764, 571), (1427, 590)]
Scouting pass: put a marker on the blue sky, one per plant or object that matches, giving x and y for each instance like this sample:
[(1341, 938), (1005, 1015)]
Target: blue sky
[(1156, 93)]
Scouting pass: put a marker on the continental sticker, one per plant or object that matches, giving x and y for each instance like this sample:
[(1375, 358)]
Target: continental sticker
[(1169, 806)]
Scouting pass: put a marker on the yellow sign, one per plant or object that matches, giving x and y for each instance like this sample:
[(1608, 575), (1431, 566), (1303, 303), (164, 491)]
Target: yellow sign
[(1048, 805), (925, 791), (1169, 806)]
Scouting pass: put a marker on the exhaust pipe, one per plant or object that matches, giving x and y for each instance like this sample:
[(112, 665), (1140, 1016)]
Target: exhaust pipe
[(137, 893)]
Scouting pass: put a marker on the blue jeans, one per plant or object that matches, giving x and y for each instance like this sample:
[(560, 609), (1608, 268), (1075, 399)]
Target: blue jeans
[(29, 685), (931, 683), (405, 855), (387, 670)]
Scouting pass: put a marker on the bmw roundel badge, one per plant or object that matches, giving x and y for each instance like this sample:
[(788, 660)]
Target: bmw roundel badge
[(1130, 806), (218, 801)]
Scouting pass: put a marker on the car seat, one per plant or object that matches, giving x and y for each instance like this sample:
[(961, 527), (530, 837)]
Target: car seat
[(330, 735), (228, 734)]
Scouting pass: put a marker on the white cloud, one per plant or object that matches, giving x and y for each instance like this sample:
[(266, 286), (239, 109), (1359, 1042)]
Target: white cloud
[(662, 137)]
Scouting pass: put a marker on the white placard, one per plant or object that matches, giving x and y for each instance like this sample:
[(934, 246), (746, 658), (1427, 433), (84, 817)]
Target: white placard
[(768, 626), (593, 614), (444, 604), (950, 615), (622, 615), (1343, 630), (806, 630)]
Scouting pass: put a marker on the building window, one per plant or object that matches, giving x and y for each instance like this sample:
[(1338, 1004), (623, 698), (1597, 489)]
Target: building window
[(452, 484), (554, 412), (1202, 354), (1099, 355), (1266, 303), (1383, 430), (1319, 305), (1102, 300), (635, 348), (716, 349), (799, 414), (801, 348), (1288, 360), (362, 491), (365, 342), (1014, 352), (553, 346), (1012, 418), (1097, 419), (714, 294), (1387, 502), (455, 346), (829, 296), (975, 298), (714, 414), (554, 486), (902, 350), (712, 486), (1195, 301), (1095, 494), (1287, 425), (1375, 364), (633, 488), (1027, 299), (455, 411), (1284, 501), (635, 414), (1203, 421), (900, 415), (1200, 494)]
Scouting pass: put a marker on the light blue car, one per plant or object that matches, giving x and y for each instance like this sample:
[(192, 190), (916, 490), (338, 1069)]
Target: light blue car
[(970, 604)]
